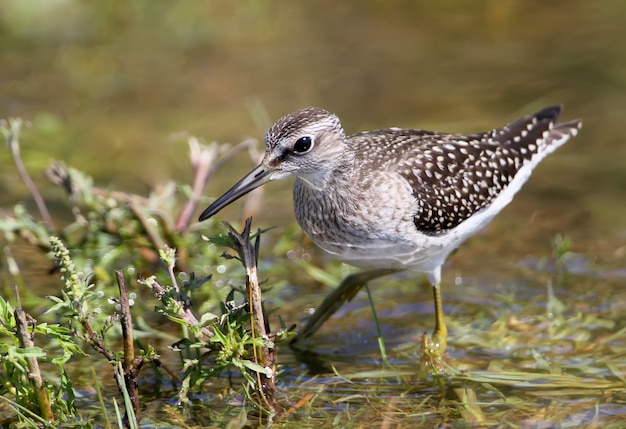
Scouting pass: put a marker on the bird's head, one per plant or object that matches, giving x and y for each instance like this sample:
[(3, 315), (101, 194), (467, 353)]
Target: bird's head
[(308, 143)]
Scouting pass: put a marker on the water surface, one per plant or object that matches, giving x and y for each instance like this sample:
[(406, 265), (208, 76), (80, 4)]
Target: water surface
[(109, 87)]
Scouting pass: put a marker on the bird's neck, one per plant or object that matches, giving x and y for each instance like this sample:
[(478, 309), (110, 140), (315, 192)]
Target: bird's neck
[(334, 174)]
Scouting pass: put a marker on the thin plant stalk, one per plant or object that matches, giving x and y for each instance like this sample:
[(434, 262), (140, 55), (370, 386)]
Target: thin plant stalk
[(12, 135), (34, 374), (379, 333)]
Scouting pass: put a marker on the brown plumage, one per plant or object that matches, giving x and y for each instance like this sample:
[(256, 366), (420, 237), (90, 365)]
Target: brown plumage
[(399, 198)]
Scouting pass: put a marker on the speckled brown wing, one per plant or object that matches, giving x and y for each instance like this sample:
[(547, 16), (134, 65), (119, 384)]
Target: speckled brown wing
[(454, 176)]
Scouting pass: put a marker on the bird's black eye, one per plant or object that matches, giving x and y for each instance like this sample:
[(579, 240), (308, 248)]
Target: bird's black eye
[(303, 145)]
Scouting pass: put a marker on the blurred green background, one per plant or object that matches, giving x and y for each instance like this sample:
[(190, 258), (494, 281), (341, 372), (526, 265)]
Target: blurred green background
[(106, 84), (110, 88)]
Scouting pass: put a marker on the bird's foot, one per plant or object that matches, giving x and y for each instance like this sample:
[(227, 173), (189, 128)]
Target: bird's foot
[(433, 354)]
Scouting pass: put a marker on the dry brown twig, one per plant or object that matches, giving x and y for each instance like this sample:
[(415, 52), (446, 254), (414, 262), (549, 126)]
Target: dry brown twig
[(264, 356)]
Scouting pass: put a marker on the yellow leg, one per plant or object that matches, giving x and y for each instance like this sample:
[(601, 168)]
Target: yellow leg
[(440, 335)]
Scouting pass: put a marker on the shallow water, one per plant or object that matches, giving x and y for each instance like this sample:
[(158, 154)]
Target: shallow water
[(110, 89)]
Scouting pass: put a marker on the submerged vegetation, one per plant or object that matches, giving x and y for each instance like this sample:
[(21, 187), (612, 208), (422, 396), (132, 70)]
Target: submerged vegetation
[(130, 293), (111, 230), (102, 287)]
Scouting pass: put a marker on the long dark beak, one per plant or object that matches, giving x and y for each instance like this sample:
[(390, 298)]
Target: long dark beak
[(257, 177)]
